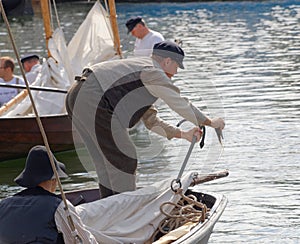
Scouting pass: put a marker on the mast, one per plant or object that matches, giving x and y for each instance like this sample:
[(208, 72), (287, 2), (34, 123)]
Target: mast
[(114, 25), (47, 24)]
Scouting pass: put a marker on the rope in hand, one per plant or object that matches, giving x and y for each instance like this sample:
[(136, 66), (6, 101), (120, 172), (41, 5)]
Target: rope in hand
[(186, 210)]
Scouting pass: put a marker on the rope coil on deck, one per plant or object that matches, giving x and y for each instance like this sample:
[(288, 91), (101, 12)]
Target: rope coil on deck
[(188, 209)]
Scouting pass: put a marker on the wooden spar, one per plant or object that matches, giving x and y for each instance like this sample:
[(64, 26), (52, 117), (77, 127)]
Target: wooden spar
[(13, 101), (47, 24), (212, 176), (114, 25)]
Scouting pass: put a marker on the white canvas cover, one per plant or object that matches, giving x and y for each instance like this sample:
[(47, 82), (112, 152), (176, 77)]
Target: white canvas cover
[(91, 43), (130, 217)]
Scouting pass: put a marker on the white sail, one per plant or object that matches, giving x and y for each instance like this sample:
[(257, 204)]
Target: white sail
[(93, 41)]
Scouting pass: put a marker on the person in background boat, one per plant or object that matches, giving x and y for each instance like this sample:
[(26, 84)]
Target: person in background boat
[(7, 66), (112, 96), (32, 67), (145, 37), (36, 214)]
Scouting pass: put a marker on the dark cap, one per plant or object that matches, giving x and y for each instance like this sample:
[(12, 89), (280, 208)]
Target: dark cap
[(38, 168), (131, 23), (29, 56), (168, 49)]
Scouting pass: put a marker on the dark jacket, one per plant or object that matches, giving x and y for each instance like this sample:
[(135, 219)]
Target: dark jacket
[(28, 217)]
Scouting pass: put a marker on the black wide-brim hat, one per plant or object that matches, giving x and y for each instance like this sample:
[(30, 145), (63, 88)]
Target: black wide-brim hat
[(38, 168), (169, 49)]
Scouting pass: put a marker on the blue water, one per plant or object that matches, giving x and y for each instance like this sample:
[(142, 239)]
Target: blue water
[(242, 63)]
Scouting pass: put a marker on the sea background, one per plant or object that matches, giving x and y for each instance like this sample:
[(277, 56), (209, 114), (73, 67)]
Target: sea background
[(242, 63)]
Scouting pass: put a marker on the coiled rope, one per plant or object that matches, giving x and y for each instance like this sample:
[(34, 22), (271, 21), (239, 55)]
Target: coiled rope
[(188, 209)]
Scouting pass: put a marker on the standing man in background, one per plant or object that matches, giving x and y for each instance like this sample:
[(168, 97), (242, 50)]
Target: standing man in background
[(7, 67), (32, 67), (145, 37)]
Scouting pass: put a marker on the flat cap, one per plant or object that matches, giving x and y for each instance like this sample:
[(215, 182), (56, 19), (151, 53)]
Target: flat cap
[(168, 49), (29, 56), (131, 23)]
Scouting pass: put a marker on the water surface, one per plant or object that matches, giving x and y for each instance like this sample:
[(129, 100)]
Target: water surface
[(243, 63)]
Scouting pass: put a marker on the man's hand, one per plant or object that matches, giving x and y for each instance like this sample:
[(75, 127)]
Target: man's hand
[(217, 123), (188, 135)]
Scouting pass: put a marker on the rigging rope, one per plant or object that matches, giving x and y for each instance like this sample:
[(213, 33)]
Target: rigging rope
[(56, 14)]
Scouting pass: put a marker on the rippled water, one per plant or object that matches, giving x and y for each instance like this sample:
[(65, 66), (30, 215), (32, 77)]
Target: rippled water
[(243, 63)]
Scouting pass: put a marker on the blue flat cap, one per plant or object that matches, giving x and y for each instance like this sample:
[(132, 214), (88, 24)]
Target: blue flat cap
[(168, 49)]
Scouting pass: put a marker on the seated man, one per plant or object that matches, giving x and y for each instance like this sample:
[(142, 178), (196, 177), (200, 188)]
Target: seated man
[(36, 214), (7, 76)]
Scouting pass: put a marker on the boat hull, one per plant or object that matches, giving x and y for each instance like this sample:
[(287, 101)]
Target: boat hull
[(200, 234), (19, 134)]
